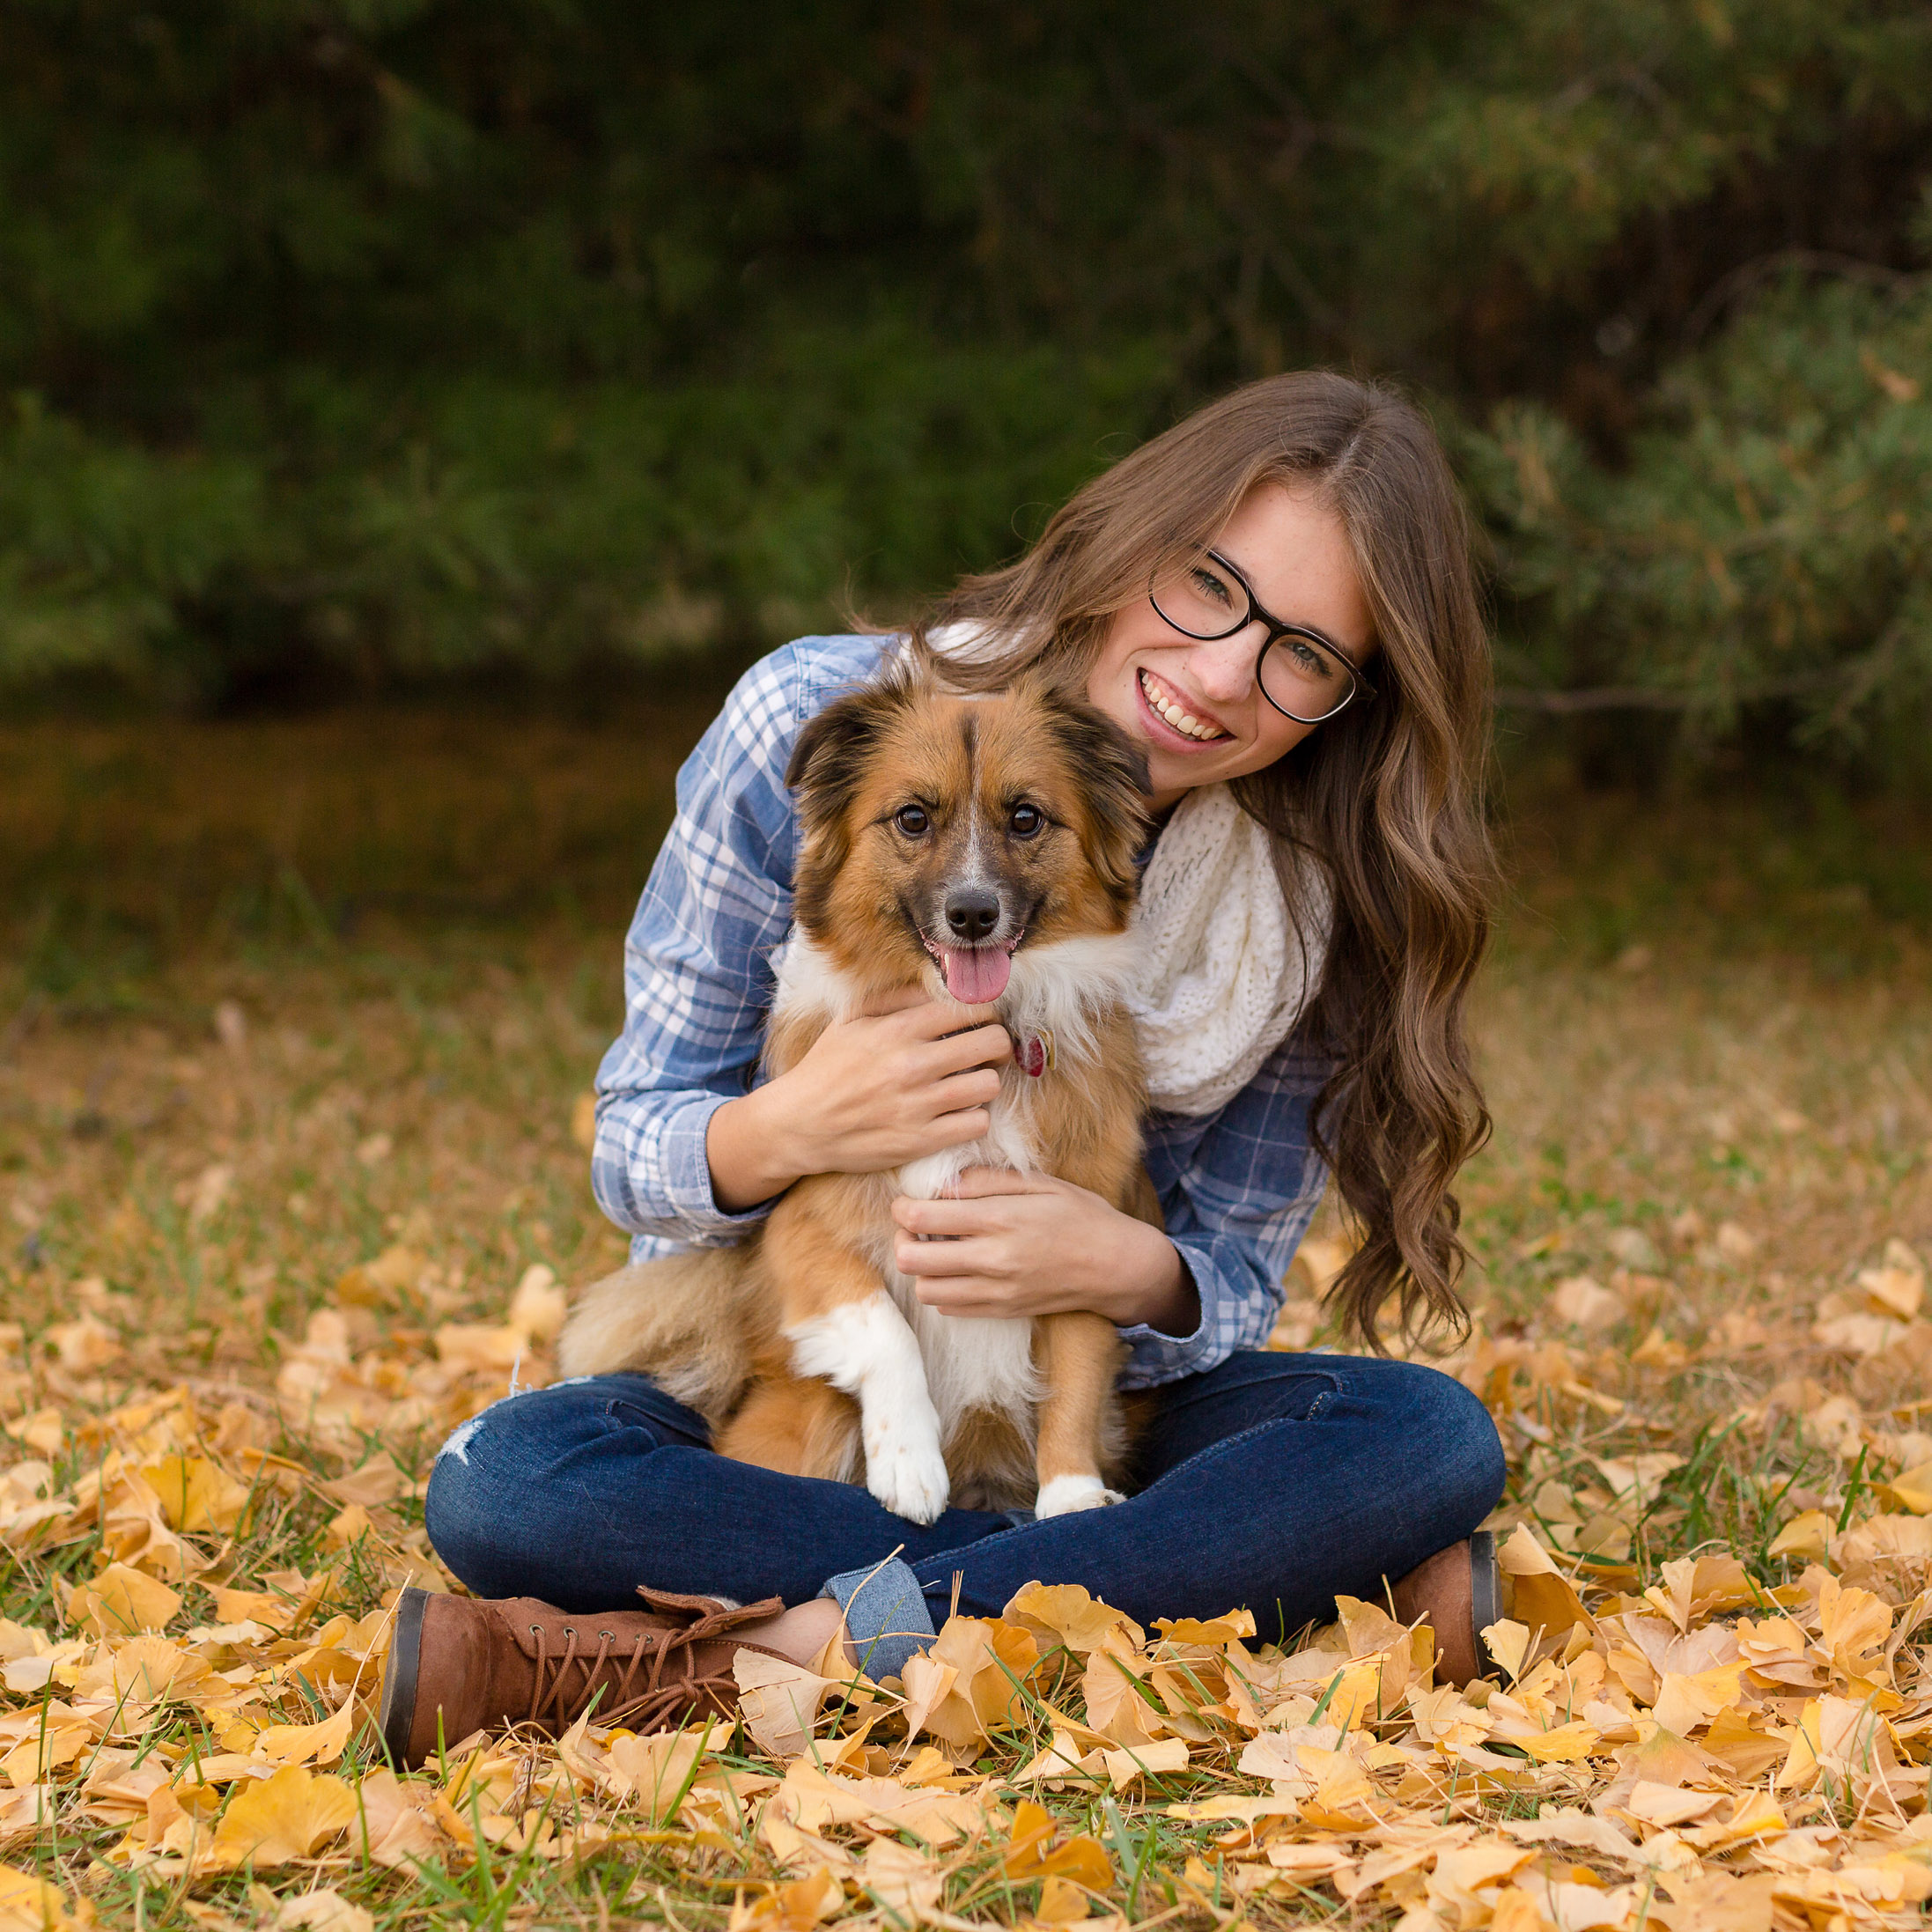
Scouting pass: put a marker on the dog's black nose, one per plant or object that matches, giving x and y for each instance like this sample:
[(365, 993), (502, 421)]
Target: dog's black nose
[(972, 911)]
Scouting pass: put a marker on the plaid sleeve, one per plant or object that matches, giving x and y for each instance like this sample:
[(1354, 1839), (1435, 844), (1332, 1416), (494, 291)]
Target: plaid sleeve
[(1238, 1189), (697, 982)]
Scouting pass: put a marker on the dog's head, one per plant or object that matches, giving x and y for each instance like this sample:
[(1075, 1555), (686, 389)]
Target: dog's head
[(953, 831)]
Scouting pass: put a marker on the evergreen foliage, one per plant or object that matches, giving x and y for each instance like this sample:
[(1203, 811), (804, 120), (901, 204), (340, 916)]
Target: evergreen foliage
[(407, 336)]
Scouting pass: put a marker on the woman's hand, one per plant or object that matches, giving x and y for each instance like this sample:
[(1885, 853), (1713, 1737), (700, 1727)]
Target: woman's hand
[(873, 1093), (1022, 1244)]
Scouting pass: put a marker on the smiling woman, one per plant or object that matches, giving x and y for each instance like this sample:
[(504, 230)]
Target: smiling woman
[(1271, 605), (1319, 514)]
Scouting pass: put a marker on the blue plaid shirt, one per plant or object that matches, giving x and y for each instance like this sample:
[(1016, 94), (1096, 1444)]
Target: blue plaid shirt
[(1237, 1187)]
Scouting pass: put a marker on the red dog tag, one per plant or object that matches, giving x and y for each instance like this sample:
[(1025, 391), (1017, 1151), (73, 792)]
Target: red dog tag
[(1034, 1053)]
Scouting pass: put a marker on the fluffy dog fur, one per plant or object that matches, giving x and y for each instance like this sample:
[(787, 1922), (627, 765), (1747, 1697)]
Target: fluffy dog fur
[(955, 845)]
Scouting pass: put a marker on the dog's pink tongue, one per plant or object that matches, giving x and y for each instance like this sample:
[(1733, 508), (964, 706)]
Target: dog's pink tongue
[(977, 974)]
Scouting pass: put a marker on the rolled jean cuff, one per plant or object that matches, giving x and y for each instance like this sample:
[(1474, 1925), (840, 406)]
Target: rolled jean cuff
[(885, 1616)]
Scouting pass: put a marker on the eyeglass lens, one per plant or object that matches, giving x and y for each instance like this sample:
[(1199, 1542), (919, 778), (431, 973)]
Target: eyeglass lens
[(1300, 678)]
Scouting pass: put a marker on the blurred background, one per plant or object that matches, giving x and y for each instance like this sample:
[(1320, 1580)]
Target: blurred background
[(349, 347)]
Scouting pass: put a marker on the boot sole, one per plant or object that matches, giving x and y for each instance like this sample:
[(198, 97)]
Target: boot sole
[(397, 1717), (1486, 1595)]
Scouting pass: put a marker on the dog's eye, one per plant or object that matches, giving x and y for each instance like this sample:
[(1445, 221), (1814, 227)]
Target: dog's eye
[(1027, 821), (911, 820)]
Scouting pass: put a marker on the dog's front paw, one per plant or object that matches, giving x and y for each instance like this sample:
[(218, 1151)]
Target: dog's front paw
[(1064, 1494), (910, 1478)]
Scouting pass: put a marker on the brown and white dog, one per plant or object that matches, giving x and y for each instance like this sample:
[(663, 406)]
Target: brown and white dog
[(981, 849)]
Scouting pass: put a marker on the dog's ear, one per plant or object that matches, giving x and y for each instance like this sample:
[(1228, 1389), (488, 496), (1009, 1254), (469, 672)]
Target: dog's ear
[(828, 760), (827, 768), (1113, 774)]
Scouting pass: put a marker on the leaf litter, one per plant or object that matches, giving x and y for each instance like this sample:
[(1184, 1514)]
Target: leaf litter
[(1721, 1738)]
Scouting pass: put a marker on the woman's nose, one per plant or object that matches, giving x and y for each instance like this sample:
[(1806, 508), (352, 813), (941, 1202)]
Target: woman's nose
[(1225, 669)]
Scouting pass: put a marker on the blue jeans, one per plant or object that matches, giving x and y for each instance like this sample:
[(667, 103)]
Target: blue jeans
[(1274, 1481)]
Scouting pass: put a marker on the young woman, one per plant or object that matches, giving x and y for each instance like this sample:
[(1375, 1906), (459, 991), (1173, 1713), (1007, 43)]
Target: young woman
[(1274, 601)]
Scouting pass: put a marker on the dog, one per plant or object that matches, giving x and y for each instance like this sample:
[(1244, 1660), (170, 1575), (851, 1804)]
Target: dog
[(981, 849)]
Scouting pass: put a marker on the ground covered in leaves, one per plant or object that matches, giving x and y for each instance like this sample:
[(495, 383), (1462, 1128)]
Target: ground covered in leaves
[(296, 1022)]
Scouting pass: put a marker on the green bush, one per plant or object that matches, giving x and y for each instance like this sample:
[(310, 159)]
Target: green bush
[(411, 337), (1768, 540)]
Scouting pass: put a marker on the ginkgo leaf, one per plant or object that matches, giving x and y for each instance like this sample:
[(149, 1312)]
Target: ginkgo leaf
[(83, 1344), (795, 1907), (1062, 1901), (780, 1702), (906, 1881), (1066, 1613), (121, 1601), (30, 1904), (655, 1772), (289, 1816), (319, 1743), (540, 1304), (323, 1911), (196, 1495), (1219, 1630), (1034, 1852), (1805, 1535)]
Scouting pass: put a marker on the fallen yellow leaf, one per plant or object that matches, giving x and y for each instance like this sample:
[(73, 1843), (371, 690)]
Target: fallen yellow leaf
[(121, 1601), (287, 1816), (29, 1904)]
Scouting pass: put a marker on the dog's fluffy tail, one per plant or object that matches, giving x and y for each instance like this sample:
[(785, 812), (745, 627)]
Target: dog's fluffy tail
[(688, 1321)]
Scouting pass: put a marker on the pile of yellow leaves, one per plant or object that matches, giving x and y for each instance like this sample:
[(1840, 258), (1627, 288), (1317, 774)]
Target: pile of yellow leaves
[(1706, 1751)]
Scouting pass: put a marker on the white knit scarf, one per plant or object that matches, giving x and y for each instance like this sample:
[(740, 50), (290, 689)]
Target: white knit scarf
[(1223, 973)]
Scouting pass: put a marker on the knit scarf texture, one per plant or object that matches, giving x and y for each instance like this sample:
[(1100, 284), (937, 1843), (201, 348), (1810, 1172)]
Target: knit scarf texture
[(1221, 973)]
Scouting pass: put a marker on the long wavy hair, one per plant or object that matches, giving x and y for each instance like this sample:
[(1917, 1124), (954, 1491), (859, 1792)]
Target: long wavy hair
[(1387, 794)]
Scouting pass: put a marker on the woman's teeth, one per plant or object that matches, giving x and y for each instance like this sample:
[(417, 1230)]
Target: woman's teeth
[(1182, 719)]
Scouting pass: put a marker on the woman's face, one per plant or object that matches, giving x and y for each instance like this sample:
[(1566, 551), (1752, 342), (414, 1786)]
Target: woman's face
[(1292, 551)]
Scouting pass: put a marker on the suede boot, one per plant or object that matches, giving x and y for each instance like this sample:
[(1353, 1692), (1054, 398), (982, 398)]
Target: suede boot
[(459, 1664), (1459, 1592)]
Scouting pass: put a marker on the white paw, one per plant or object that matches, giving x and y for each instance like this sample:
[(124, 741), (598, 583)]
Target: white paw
[(909, 1478), (1066, 1494)]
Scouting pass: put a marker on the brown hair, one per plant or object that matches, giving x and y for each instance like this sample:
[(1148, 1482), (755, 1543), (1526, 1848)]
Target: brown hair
[(1387, 794)]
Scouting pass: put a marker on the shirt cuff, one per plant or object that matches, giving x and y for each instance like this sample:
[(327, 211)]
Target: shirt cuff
[(662, 1176), (1157, 1356)]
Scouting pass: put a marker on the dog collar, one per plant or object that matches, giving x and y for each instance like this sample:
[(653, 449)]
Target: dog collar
[(1033, 1052)]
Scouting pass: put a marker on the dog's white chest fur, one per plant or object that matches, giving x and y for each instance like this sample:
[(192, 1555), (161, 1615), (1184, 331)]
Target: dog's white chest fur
[(918, 1376)]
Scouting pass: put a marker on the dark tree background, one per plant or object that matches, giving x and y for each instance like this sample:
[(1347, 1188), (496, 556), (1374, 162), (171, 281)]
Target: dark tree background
[(404, 338)]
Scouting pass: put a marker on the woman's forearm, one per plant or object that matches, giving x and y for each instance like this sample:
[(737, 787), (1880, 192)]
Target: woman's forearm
[(747, 1151), (1156, 1291)]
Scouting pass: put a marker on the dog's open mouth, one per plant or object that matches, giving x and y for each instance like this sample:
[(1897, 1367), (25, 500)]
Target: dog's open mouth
[(975, 975)]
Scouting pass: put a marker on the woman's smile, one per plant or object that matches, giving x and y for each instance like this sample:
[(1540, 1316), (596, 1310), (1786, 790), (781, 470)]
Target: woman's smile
[(1192, 704), (1186, 717)]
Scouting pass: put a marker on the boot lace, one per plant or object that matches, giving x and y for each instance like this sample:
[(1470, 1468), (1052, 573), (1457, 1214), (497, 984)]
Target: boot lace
[(659, 1681)]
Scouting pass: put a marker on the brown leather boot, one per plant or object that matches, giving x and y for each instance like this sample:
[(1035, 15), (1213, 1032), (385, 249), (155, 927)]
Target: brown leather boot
[(1459, 1592), (459, 1664)]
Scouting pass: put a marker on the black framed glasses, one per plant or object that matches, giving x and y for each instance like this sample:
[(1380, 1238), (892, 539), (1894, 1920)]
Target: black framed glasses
[(1304, 675)]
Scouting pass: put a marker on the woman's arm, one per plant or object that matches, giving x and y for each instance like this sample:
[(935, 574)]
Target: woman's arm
[(873, 1093), (684, 1152), (1237, 1190), (1011, 1244), (697, 982)]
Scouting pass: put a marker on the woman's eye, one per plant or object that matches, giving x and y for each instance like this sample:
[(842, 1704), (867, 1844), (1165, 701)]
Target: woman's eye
[(911, 820), (1211, 586), (1308, 660), (1027, 821)]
